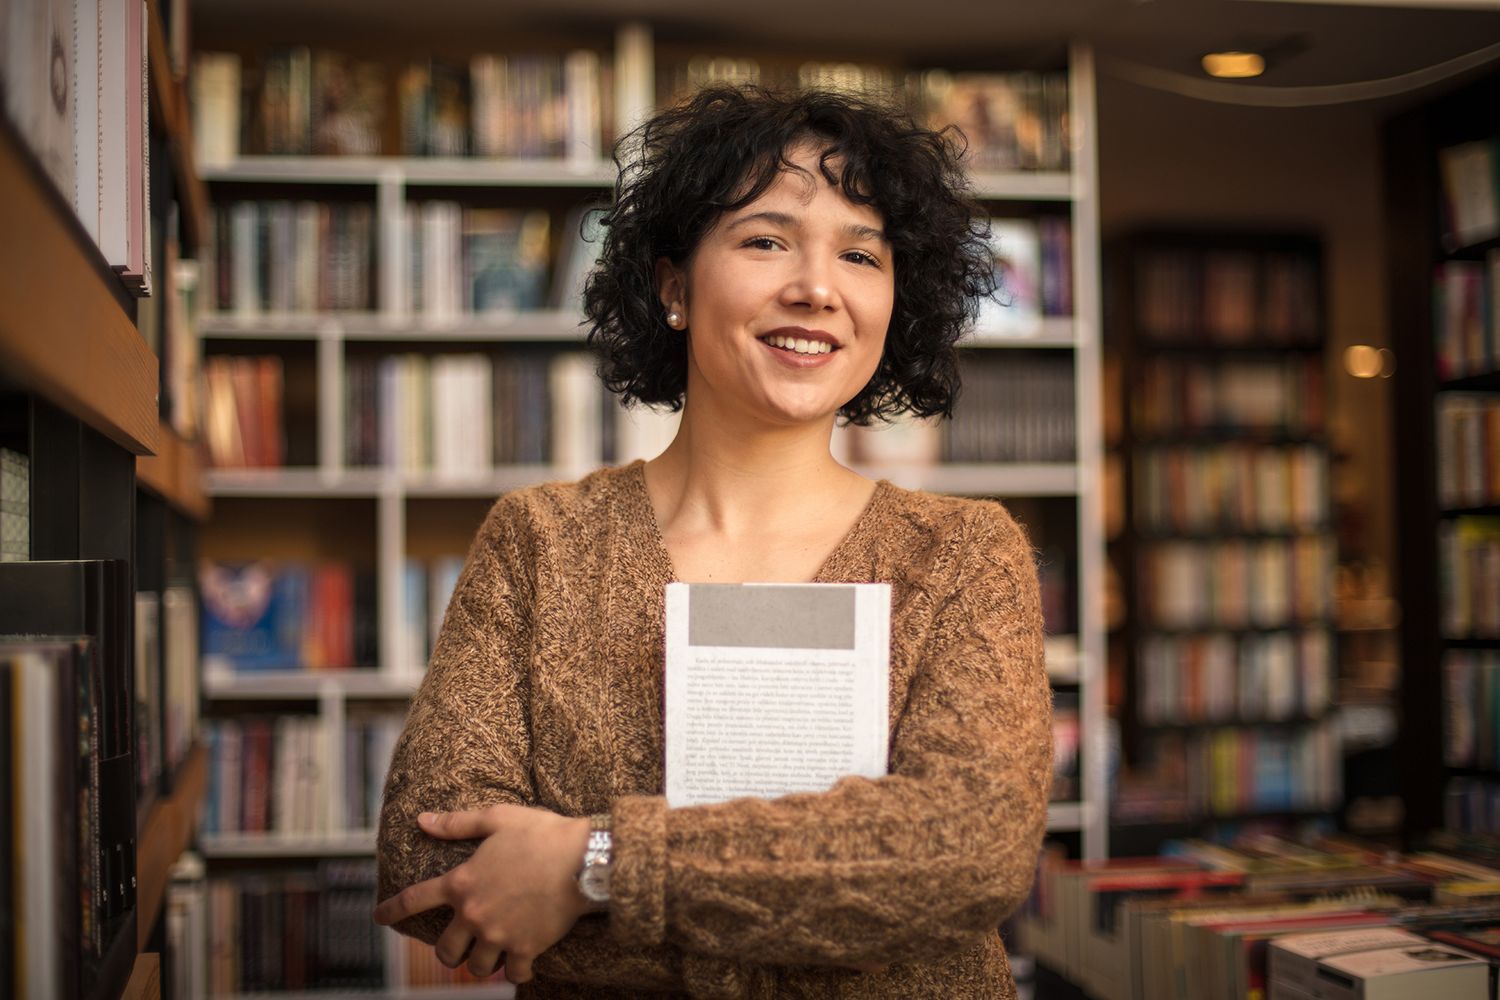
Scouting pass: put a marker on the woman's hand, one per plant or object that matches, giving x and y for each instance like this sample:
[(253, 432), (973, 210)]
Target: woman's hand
[(517, 895)]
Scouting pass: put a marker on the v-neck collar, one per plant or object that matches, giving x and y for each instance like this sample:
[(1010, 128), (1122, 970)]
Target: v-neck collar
[(832, 569)]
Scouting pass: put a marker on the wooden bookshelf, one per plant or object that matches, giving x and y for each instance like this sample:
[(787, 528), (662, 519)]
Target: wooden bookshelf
[(68, 336), (175, 473), (145, 978), (166, 833)]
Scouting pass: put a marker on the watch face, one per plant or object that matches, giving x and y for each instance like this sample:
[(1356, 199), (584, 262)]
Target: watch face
[(593, 882)]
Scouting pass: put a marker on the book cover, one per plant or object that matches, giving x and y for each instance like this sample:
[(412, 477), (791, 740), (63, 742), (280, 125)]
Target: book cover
[(774, 688)]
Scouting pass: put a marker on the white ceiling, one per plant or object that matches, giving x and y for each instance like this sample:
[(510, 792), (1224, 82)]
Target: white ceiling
[(1339, 42)]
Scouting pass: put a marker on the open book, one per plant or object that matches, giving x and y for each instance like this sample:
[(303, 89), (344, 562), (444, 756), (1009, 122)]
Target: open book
[(774, 688)]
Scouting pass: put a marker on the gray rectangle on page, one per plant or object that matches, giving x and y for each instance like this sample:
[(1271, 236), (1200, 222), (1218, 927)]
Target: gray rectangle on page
[(819, 616)]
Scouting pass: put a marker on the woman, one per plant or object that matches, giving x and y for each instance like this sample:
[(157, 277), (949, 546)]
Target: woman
[(770, 264)]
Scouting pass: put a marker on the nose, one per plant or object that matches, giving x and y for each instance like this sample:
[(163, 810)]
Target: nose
[(811, 288)]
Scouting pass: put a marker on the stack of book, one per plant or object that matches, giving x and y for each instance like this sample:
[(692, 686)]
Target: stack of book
[(1231, 487), (1471, 193), (1466, 325), (291, 257), (1469, 557), (1229, 297), (15, 506), (295, 931), (1261, 918), (1033, 275), (299, 101), (1468, 449), (1268, 677), (1235, 583), (244, 421), (474, 261), (1016, 408), (268, 615), (276, 774), (1284, 397)]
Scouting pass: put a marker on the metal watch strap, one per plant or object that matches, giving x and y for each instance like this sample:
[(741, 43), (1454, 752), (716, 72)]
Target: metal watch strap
[(593, 876)]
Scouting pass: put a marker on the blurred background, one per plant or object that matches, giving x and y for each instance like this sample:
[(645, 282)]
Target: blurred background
[(295, 297)]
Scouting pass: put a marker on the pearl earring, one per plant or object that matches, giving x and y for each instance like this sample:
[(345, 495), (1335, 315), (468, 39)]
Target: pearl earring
[(674, 319)]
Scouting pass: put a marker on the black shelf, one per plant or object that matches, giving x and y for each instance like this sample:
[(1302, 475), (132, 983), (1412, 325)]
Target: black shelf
[(1217, 351), (1472, 642), (1470, 771), (1491, 510), (1481, 382), (1227, 435), (1241, 630), (1472, 251), (1232, 534), (1293, 722)]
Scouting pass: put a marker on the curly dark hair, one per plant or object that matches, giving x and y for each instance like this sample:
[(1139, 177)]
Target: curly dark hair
[(687, 166)]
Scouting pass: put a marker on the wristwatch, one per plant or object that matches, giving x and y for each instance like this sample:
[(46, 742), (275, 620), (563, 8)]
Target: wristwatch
[(593, 877)]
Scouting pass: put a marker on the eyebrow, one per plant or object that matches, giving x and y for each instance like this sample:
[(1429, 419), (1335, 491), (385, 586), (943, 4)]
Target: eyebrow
[(854, 230)]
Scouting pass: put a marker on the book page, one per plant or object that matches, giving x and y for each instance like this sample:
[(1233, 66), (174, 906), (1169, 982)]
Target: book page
[(774, 688)]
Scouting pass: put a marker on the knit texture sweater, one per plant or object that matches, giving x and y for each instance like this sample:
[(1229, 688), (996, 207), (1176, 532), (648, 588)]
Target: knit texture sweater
[(545, 688)]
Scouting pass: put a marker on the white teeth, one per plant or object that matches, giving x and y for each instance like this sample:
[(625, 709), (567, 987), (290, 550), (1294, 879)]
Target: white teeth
[(799, 345)]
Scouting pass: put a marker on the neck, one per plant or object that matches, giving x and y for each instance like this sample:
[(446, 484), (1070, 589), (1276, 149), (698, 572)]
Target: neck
[(723, 475)]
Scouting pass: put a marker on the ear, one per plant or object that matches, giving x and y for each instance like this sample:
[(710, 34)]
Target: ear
[(671, 285)]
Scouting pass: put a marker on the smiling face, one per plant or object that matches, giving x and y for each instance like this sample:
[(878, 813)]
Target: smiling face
[(786, 301)]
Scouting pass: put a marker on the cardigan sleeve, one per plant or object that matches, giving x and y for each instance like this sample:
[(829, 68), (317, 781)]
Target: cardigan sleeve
[(920, 863), (466, 743)]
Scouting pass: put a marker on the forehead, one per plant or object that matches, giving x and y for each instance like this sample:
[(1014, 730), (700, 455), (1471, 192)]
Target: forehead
[(804, 184)]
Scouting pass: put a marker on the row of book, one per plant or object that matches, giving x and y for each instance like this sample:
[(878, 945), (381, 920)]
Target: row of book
[(1009, 121), (166, 681), (283, 774), (1469, 581), (67, 770), (298, 930), (1472, 805), (1468, 449), (75, 88), (1466, 323), (1184, 680), (243, 420), (1228, 297), (1033, 272), (15, 506), (268, 615), (300, 101), (1284, 397), (460, 415), (1233, 487), (291, 256), (1268, 917), (1269, 583), (1471, 699), (1013, 409), (473, 261), (426, 588), (1471, 192)]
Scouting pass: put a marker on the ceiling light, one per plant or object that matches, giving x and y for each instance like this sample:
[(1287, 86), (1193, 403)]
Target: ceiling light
[(1234, 65)]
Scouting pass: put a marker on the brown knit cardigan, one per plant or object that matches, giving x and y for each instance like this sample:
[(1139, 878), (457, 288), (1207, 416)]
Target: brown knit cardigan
[(545, 688)]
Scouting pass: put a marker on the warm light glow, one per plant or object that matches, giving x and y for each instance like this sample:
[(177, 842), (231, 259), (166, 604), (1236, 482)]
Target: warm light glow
[(1363, 361), (1233, 65)]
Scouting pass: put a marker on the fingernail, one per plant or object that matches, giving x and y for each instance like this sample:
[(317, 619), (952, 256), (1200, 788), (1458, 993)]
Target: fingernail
[(426, 817)]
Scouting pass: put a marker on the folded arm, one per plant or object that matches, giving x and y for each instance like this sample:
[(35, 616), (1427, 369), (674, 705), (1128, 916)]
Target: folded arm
[(917, 864)]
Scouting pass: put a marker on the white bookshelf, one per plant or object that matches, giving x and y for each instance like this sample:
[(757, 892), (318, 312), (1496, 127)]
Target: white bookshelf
[(1076, 660)]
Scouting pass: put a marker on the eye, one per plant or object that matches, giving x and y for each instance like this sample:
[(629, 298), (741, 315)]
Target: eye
[(862, 258), (761, 243)]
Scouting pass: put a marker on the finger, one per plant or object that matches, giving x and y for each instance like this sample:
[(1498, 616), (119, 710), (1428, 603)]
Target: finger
[(454, 945), (412, 900), (467, 824), (484, 959), (517, 967)]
